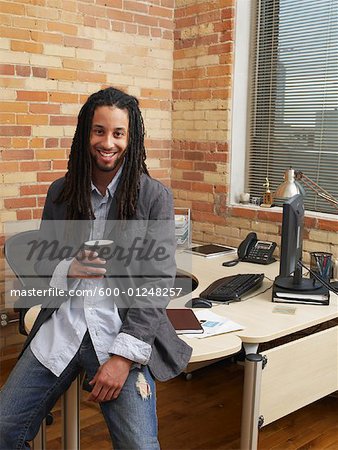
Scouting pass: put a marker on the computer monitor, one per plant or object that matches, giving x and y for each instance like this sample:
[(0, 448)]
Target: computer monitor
[(290, 272)]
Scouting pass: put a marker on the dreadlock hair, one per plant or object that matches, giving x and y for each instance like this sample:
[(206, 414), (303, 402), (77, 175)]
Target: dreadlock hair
[(77, 189)]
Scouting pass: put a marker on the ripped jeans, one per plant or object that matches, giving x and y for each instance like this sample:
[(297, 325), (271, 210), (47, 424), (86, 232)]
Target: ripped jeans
[(32, 390)]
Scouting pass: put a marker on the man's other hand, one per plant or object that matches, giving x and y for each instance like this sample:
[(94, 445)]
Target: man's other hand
[(109, 379)]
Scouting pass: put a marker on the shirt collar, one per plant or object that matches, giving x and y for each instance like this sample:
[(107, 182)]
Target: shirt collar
[(111, 188)]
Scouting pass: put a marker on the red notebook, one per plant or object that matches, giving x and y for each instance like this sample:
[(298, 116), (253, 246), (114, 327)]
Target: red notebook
[(184, 321)]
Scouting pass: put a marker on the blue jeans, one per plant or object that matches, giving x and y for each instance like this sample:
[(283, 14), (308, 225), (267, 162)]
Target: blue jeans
[(32, 390)]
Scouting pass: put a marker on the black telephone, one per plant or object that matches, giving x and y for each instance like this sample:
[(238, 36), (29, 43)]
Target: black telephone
[(254, 251)]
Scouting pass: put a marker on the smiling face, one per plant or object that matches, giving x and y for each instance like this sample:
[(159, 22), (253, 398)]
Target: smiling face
[(108, 141)]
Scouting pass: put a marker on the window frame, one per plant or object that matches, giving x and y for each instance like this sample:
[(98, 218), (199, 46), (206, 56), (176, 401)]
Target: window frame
[(245, 24)]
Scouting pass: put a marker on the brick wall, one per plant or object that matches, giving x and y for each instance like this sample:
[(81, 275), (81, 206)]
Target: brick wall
[(54, 54), (202, 89)]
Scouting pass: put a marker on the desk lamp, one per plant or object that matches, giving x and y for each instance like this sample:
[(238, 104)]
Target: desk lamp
[(291, 186)]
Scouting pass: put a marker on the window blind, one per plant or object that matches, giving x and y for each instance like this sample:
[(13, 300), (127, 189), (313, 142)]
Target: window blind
[(294, 96)]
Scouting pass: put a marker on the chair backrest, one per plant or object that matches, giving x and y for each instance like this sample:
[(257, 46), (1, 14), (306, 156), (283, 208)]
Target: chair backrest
[(17, 253)]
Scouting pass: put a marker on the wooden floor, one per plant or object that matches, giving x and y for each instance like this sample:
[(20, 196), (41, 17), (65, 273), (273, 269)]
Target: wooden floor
[(204, 414)]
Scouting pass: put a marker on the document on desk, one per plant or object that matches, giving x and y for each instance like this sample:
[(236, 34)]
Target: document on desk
[(214, 324)]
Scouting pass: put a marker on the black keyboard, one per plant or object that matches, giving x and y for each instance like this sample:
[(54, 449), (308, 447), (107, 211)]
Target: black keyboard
[(231, 288)]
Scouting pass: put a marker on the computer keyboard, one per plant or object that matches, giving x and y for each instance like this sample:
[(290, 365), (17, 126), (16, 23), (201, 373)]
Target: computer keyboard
[(231, 288)]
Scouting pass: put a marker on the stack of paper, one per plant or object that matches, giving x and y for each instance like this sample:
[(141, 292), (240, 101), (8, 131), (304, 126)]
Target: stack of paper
[(182, 228), (214, 324), (319, 296)]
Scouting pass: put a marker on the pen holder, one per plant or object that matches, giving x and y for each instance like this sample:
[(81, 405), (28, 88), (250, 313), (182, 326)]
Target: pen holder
[(321, 264)]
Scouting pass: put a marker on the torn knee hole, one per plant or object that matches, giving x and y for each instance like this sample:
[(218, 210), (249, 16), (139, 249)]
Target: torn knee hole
[(143, 387)]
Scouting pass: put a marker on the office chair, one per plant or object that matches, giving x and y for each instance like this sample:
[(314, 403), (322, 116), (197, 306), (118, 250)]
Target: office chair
[(16, 253), (17, 256), (17, 249)]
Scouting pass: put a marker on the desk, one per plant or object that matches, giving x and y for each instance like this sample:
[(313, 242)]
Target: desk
[(296, 373), (286, 377)]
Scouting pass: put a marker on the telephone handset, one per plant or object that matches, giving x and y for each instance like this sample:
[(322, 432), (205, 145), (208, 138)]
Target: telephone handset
[(254, 251)]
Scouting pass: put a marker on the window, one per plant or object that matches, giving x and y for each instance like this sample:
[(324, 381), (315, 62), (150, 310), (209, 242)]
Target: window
[(294, 96)]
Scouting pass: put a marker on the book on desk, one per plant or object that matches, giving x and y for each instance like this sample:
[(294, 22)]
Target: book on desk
[(320, 296), (184, 321)]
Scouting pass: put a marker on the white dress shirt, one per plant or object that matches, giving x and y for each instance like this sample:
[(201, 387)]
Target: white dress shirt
[(60, 337)]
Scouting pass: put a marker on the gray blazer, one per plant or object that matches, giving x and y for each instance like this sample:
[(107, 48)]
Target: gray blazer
[(143, 318)]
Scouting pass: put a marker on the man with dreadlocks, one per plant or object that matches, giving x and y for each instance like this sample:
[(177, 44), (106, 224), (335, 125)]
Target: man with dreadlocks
[(122, 347)]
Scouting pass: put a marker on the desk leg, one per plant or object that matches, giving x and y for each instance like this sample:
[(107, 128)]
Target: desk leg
[(71, 417), (39, 442), (251, 396)]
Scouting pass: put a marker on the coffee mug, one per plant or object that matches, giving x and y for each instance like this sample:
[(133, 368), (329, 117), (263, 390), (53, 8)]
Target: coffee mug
[(103, 247)]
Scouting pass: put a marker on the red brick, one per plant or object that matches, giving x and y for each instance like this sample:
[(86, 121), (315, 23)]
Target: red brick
[(14, 130), (269, 215), (186, 165), (120, 15), (202, 187), (41, 201), (207, 40), (66, 142), (23, 71), (204, 94), (59, 165), (168, 24), (185, 22), (220, 48), (18, 155), (23, 202), (9, 166), (93, 77), (62, 97), (217, 157), (34, 166), (63, 120), (37, 213), (185, 185), (202, 206), (328, 225), (195, 156), (161, 12), (221, 189), (208, 218), (159, 174), (223, 94), (136, 6), (168, 3), (24, 214), (34, 96), (227, 13), (49, 176), (193, 176), (206, 167), (177, 155), (34, 189), (155, 32), (39, 72), (52, 142), (310, 222), (5, 141), (243, 212), (44, 108), (6, 69), (111, 3)]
